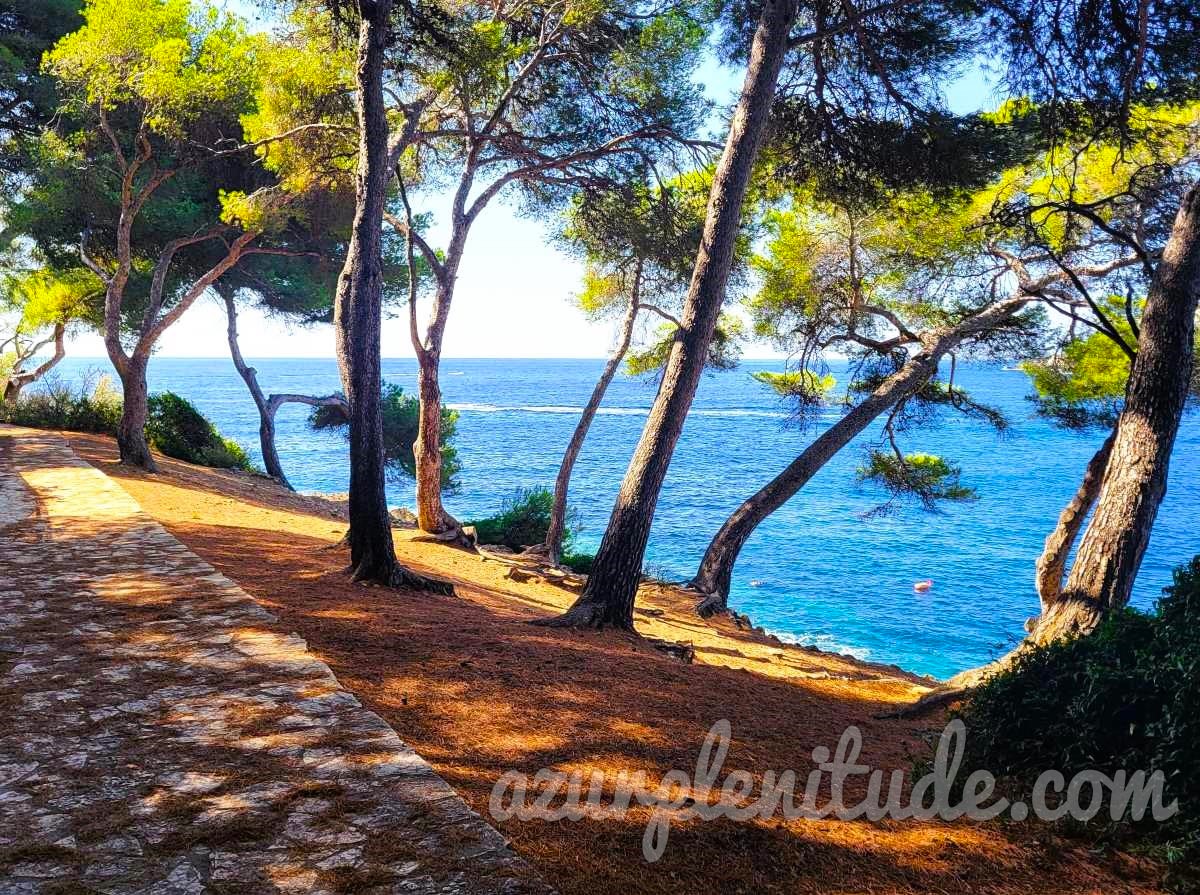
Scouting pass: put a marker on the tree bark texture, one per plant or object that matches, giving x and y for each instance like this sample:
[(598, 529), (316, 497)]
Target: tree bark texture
[(427, 450), (266, 421), (1135, 479), (131, 366), (357, 315), (131, 432), (358, 309), (612, 586), (19, 379), (268, 406)]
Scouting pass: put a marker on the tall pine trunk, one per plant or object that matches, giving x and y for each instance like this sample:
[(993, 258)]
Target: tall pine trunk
[(612, 585), (131, 431), (357, 313), (558, 512), (713, 577), (1135, 478), (359, 297), (427, 450)]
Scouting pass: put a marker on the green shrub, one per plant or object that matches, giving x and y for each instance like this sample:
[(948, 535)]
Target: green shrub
[(578, 562), (401, 419), (523, 520), (176, 428), (56, 405), (1124, 697)]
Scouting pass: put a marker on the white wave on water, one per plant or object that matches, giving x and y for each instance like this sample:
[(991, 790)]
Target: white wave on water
[(824, 642), (606, 411), (768, 414)]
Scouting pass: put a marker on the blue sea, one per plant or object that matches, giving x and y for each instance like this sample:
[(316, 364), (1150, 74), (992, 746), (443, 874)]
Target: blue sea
[(820, 571)]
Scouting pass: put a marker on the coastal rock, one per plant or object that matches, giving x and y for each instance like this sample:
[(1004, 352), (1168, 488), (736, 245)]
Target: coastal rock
[(402, 517)]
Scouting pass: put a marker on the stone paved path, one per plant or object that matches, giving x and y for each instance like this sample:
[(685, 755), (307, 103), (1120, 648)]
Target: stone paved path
[(159, 734)]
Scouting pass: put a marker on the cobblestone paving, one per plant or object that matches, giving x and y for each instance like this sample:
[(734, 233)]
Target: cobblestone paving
[(159, 734)]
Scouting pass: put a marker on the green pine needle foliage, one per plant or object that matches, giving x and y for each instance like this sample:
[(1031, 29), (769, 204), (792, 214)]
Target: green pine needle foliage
[(401, 420), (928, 478)]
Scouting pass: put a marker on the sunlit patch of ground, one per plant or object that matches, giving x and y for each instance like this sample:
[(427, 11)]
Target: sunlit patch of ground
[(477, 691), (162, 731)]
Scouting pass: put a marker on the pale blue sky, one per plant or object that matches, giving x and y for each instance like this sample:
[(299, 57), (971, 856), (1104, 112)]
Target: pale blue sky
[(513, 295)]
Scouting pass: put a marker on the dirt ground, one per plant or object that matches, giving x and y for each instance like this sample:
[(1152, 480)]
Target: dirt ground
[(478, 691)]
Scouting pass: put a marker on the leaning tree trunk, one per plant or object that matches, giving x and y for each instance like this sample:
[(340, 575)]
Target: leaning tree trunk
[(268, 406), (1135, 479), (266, 416), (558, 513), (131, 431), (1052, 564), (357, 314), (713, 577), (715, 574), (612, 585), (18, 380)]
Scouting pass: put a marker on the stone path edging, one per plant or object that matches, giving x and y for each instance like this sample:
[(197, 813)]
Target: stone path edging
[(160, 736)]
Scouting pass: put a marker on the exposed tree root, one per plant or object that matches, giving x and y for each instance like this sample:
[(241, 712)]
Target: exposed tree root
[(402, 577), (683, 651), (343, 541), (148, 465), (396, 575), (956, 688), (931, 701), (540, 554), (581, 615), (711, 604), (454, 534), (533, 565)]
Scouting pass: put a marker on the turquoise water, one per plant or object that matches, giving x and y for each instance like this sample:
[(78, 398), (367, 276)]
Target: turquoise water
[(822, 574)]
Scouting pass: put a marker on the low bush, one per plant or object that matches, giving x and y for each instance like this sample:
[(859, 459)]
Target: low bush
[(1124, 697), (58, 405), (176, 428), (578, 562), (523, 520)]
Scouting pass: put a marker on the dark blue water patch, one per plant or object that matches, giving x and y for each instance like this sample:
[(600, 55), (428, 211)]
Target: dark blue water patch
[(822, 573)]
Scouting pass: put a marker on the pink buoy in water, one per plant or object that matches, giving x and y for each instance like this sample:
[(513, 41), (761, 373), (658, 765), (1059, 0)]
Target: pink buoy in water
[(922, 586)]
